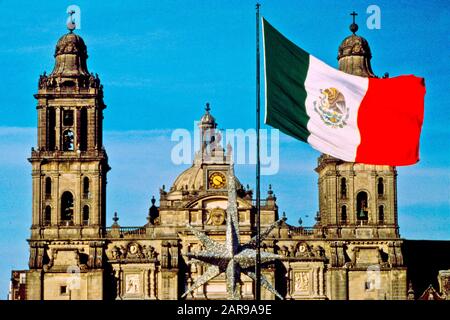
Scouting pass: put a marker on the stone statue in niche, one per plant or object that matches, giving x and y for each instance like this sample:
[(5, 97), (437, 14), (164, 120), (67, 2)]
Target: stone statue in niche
[(123, 252), (320, 252), (91, 81), (43, 81), (99, 257), (149, 252)]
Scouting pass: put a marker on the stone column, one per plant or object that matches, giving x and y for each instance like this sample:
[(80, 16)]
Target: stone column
[(42, 128), (77, 128), (146, 284), (351, 210), (78, 199), (152, 286), (316, 282), (373, 198), (56, 196), (58, 142), (91, 128), (332, 201), (37, 208), (321, 281)]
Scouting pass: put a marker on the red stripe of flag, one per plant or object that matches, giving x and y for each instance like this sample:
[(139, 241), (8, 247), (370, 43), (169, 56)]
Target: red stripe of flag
[(390, 120)]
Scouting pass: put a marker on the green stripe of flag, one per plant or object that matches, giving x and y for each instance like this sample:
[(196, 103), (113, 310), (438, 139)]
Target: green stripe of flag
[(286, 67)]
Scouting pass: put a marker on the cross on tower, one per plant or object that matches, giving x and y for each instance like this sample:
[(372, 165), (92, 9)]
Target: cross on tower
[(353, 26), (354, 14)]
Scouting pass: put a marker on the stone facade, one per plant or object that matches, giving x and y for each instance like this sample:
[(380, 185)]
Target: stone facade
[(354, 251)]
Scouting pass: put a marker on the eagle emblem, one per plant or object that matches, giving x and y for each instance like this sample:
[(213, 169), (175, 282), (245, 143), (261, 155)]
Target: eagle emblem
[(331, 108)]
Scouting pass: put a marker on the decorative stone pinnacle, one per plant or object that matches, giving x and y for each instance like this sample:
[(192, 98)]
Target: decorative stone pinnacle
[(115, 218)]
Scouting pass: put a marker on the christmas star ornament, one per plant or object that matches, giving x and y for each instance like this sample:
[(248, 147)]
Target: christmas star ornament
[(230, 257)]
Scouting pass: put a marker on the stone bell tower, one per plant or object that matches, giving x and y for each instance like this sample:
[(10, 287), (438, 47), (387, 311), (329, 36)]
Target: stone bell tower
[(70, 163), (357, 200), (69, 168), (358, 211)]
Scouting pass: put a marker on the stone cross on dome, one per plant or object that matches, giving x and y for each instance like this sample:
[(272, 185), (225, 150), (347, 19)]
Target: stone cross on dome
[(353, 26)]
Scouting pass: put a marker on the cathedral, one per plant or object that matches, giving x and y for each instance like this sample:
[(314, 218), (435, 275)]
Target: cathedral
[(354, 250)]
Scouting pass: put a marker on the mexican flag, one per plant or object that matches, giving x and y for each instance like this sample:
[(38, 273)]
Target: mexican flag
[(356, 119)]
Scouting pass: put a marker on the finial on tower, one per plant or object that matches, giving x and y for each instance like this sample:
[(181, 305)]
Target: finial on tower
[(207, 107), (353, 26), (70, 23), (115, 219)]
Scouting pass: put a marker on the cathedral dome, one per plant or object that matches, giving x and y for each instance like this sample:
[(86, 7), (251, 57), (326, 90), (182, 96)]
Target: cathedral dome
[(190, 179), (71, 43), (354, 45), (70, 57)]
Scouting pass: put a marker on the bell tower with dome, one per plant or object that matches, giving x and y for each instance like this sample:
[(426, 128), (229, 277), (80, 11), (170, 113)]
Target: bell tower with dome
[(69, 167), (358, 202)]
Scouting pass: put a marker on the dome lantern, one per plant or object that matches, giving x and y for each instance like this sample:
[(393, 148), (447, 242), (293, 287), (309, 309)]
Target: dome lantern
[(207, 121)]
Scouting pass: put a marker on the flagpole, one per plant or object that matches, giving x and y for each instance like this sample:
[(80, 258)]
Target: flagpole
[(258, 165)]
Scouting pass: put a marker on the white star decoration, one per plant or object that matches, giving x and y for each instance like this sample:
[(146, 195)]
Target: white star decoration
[(230, 257)]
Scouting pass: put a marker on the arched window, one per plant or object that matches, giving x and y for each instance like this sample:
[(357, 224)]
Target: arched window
[(343, 188), (381, 214), (68, 143), (85, 187), (67, 208), (86, 215), (344, 214), (380, 187), (48, 187), (47, 215), (362, 205)]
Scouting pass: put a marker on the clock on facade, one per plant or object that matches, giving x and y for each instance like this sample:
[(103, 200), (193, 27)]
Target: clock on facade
[(217, 180)]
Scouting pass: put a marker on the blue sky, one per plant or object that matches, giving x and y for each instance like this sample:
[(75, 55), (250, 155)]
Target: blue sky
[(160, 61)]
